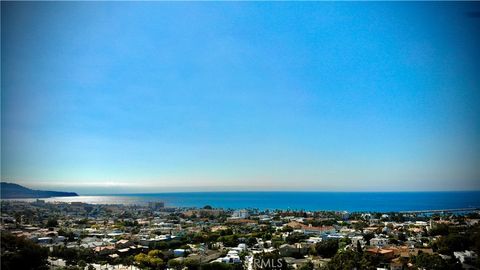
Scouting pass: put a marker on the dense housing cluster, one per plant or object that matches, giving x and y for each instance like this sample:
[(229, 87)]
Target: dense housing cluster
[(40, 235)]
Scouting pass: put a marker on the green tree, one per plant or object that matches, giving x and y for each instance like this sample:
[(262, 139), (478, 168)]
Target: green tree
[(359, 247), (82, 264), (452, 242), (155, 253), (20, 253), (295, 238), (327, 248), (439, 229), (191, 264), (175, 264), (350, 260), (52, 222), (429, 261), (147, 261), (307, 266), (219, 266)]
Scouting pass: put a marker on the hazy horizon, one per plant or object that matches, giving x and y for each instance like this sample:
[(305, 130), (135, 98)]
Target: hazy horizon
[(139, 190), (109, 97)]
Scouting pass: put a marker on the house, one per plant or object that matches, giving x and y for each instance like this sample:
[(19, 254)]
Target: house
[(295, 263), (158, 238), (295, 225), (396, 264), (287, 250), (179, 252), (406, 252), (333, 236), (57, 263), (123, 243), (357, 239), (318, 230), (105, 250), (466, 256), (44, 240), (124, 250), (385, 253), (314, 240), (232, 258), (241, 214), (242, 246), (379, 241)]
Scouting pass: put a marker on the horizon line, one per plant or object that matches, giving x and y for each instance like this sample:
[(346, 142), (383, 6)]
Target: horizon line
[(122, 189), (277, 191)]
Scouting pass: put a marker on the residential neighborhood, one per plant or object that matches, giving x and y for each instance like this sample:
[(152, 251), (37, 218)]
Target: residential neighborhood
[(151, 236)]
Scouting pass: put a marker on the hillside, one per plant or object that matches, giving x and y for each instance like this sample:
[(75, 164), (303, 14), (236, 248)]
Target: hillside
[(11, 191)]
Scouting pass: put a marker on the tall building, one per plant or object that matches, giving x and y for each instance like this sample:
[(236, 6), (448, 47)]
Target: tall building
[(156, 205)]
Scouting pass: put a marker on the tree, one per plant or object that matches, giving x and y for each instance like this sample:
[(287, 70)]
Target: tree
[(368, 237), (20, 253), (359, 247), (307, 266), (147, 261), (175, 264), (219, 266), (327, 248), (439, 229), (350, 260), (52, 222), (229, 240), (429, 261), (295, 238), (155, 253), (191, 264), (402, 237), (359, 226), (452, 242), (82, 264)]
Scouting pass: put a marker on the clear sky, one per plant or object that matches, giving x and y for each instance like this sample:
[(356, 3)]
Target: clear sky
[(152, 97)]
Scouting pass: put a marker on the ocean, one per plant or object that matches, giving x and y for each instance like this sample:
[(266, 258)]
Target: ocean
[(335, 201)]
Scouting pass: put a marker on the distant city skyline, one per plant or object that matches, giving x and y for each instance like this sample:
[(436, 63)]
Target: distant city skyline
[(118, 97)]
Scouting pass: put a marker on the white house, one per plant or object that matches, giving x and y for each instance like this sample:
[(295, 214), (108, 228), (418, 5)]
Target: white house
[(232, 257), (240, 214), (379, 241), (179, 252), (356, 239), (465, 256)]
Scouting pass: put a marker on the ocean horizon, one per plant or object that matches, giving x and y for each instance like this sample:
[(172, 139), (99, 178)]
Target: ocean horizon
[(295, 200)]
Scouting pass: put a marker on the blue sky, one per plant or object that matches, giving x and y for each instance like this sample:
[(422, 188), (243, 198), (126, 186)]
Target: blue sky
[(151, 97)]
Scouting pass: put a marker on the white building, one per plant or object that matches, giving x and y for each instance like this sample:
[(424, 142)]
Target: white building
[(314, 240), (465, 256), (179, 252), (240, 214), (242, 246), (356, 239), (379, 242), (232, 257)]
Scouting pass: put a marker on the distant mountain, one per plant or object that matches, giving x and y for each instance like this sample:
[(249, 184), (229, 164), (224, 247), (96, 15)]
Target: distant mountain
[(11, 191)]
